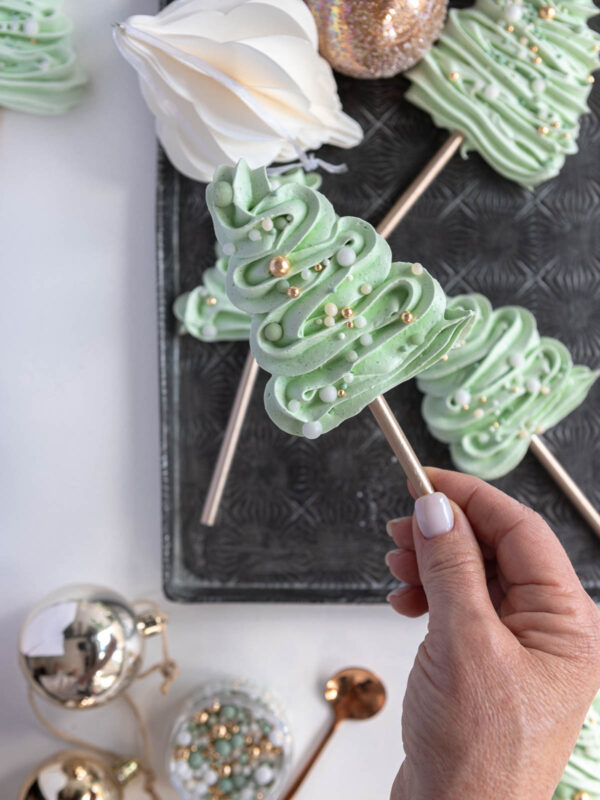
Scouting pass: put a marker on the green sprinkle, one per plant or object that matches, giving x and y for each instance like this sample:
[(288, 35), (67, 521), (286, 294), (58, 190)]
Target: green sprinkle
[(223, 747), (195, 760), (225, 784)]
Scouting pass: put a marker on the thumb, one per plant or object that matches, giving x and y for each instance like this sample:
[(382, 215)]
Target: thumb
[(449, 558)]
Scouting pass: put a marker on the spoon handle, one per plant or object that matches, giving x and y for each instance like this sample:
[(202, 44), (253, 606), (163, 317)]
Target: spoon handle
[(291, 793)]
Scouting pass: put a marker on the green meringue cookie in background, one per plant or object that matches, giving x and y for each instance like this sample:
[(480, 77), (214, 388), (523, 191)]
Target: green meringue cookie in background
[(581, 778), (503, 385), (39, 72), (206, 312), (514, 79), (340, 324)]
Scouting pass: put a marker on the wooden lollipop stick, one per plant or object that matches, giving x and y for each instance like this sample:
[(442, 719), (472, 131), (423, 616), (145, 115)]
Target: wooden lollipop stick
[(401, 446), (230, 440), (566, 483)]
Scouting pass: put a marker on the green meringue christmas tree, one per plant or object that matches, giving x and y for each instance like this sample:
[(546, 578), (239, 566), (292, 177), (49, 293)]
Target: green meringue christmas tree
[(39, 72), (504, 386), (333, 319), (513, 77)]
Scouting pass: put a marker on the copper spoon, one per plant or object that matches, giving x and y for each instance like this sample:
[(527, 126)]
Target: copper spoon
[(354, 693)]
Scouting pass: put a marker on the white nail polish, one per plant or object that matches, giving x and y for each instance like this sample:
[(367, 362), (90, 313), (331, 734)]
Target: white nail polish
[(434, 515)]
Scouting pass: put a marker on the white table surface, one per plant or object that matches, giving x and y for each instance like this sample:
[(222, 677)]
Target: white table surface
[(80, 445)]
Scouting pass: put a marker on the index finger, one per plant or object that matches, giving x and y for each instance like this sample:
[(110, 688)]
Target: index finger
[(526, 548)]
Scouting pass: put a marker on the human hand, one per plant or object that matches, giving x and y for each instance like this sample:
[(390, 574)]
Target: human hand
[(511, 660)]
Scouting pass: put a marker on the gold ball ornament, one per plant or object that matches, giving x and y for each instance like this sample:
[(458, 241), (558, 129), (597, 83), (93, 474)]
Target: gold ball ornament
[(78, 775), (83, 645), (376, 38), (279, 266)]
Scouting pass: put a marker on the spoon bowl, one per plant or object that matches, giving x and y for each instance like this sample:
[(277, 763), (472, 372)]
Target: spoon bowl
[(355, 693)]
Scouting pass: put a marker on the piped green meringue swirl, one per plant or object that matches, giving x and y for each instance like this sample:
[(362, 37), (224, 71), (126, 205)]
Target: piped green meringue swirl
[(582, 773), (345, 323), (513, 78), (503, 385), (38, 69), (206, 312)]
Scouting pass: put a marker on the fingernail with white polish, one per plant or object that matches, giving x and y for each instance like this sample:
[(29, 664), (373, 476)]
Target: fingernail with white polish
[(434, 514)]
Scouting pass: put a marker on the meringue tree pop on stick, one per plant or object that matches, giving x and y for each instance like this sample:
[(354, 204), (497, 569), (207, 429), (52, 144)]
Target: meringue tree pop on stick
[(39, 72), (509, 80), (333, 319), (492, 398)]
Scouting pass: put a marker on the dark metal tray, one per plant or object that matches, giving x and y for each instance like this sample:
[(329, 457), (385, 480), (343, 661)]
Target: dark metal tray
[(304, 520)]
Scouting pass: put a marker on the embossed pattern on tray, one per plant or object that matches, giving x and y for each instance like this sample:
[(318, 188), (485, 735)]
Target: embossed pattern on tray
[(304, 520)]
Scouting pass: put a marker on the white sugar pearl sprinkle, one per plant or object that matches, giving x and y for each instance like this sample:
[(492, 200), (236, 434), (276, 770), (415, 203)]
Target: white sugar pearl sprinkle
[(312, 430), (491, 91), (366, 339), (351, 355), (229, 248), (267, 224), (517, 360), (478, 413), (513, 13), (348, 377), (305, 274), (533, 385), (538, 86), (331, 309), (328, 394), (346, 256), (329, 322), (209, 331), (462, 397), (360, 322), (294, 406), (366, 288), (416, 268)]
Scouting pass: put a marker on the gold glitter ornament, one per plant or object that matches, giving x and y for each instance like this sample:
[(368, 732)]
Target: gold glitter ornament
[(376, 38)]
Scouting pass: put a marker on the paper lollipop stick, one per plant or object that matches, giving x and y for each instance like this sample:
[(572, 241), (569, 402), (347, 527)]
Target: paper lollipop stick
[(246, 385), (334, 320), (492, 398)]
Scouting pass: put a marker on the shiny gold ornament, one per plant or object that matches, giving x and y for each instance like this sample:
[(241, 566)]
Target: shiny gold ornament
[(376, 38), (547, 12), (407, 317), (82, 645), (211, 301), (78, 775), (347, 312), (543, 130), (318, 268), (453, 76), (279, 266), (340, 393), (293, 292)]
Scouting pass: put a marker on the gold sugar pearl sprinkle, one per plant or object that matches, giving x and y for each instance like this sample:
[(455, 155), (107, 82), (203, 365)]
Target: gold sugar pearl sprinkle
[(279, 266), (547, 12), (566, 135), (483, 398), (341, 393), (465, 407), (347, 312), (318, 267), (350, 324), (543, 130), (510, 28), (211, 301), (590, 79), (534, 48), (537, 60), (444, 357), (523, 40), (453, 76), (407, 317), (556, 124), (293, 291), (182, 753), (201, 718), (516, 389), (495, 424)]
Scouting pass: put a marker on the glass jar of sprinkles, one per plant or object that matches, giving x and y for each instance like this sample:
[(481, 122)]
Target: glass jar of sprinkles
[(231, 742)]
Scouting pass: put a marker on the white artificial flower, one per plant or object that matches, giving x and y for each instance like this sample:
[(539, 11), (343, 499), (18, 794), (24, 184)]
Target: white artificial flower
[(231, 79)]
